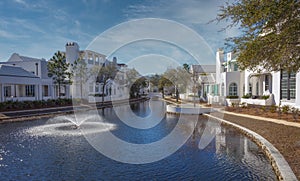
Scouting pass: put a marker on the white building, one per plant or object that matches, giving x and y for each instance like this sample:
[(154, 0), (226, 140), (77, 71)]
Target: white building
[(92, 87), (25, 78), (263, 88), (205, 77)]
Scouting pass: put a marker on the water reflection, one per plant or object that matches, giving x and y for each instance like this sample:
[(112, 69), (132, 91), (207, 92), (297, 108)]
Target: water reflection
[(26, 156)]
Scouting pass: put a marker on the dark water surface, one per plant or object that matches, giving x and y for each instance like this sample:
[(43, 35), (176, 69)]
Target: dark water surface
[(41, 150)]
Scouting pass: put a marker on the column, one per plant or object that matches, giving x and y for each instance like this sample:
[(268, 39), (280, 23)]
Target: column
[(298, 90), (36, 91), (2, 92)]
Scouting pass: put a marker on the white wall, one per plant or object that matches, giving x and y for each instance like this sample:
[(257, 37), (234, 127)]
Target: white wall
[(276, 86), (298, 89)]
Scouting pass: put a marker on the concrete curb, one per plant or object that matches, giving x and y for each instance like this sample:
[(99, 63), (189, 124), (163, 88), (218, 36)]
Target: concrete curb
[(173, 109), (282, 169)]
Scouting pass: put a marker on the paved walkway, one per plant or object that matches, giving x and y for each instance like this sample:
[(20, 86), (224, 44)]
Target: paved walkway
[(278, 121)]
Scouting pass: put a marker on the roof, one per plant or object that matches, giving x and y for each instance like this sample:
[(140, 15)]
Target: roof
[(8, 70), (203, 68), (17, 58), (210, 78)]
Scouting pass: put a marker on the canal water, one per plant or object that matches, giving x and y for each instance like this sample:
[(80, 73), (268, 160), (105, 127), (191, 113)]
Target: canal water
[(52, 149)]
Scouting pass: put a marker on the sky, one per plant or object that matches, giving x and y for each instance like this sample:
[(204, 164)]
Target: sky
[(40, 28)]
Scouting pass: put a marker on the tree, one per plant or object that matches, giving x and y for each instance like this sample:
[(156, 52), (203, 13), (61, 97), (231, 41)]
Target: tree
[(137, 86), (154, 79), (162, 83), (270, 36), (180, 78), (80, 73), (186, 67), (105, 73), (58, 70), (135, 82)]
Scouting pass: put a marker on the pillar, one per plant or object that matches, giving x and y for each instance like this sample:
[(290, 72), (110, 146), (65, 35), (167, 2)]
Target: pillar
[(2, 92)]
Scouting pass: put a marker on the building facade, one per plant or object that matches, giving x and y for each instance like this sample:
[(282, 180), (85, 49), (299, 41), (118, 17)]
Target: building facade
[(259, 88), (25, 78), (94, 89)]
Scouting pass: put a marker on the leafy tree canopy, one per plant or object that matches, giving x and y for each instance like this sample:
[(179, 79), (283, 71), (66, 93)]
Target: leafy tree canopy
[(270, 33)]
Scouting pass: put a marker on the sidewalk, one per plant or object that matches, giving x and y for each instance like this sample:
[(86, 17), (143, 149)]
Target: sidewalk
[(277, 121)]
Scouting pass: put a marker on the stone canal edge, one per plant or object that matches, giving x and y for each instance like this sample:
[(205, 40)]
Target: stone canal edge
[(282, 169)]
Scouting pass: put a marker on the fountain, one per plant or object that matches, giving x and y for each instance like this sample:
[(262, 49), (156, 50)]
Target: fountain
[(72, 125)]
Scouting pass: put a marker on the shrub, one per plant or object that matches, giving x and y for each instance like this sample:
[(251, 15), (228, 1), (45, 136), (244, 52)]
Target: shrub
[(265, 97), (232, 97), (263, 108), (247, 96), (285, 109), (273, 108), (191, 95)]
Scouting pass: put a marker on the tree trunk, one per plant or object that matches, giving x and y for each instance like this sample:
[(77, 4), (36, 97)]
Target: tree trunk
[(81, 91), (59, 90), (177, 94), (103, 93)]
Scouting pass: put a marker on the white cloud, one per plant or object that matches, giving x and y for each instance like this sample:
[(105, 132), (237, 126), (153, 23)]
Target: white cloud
[(8, 35), (193, 13), (154, 36), (21, 2)]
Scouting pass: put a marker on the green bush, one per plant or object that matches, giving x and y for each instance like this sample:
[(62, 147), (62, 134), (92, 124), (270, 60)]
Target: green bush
[(265, 97), (191, 95), (247, 96), (263, 108), (273, 108), (232, 97), (285, 109)]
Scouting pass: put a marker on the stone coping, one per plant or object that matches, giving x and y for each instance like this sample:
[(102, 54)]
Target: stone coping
[(282, 169), (187, 109)]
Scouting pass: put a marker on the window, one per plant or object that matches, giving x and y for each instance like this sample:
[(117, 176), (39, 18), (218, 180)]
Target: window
[(250, 88), (90, 60), (257, 88), (235, 67), (45, 90), (91, 88), (29, 90), (233, 89), (7, 91), (266, 82), (97, 88), (222, 89), (288, 85), (216, 90)]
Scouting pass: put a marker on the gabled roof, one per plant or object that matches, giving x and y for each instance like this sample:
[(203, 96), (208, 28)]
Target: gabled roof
[(203, 68), (210, 78), (8, 70), (16, 58)]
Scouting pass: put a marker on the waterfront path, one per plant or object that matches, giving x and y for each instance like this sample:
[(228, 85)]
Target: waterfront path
[(22, 115)]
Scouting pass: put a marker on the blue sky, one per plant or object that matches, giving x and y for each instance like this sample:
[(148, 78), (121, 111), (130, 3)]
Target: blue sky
[(40, 28)]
